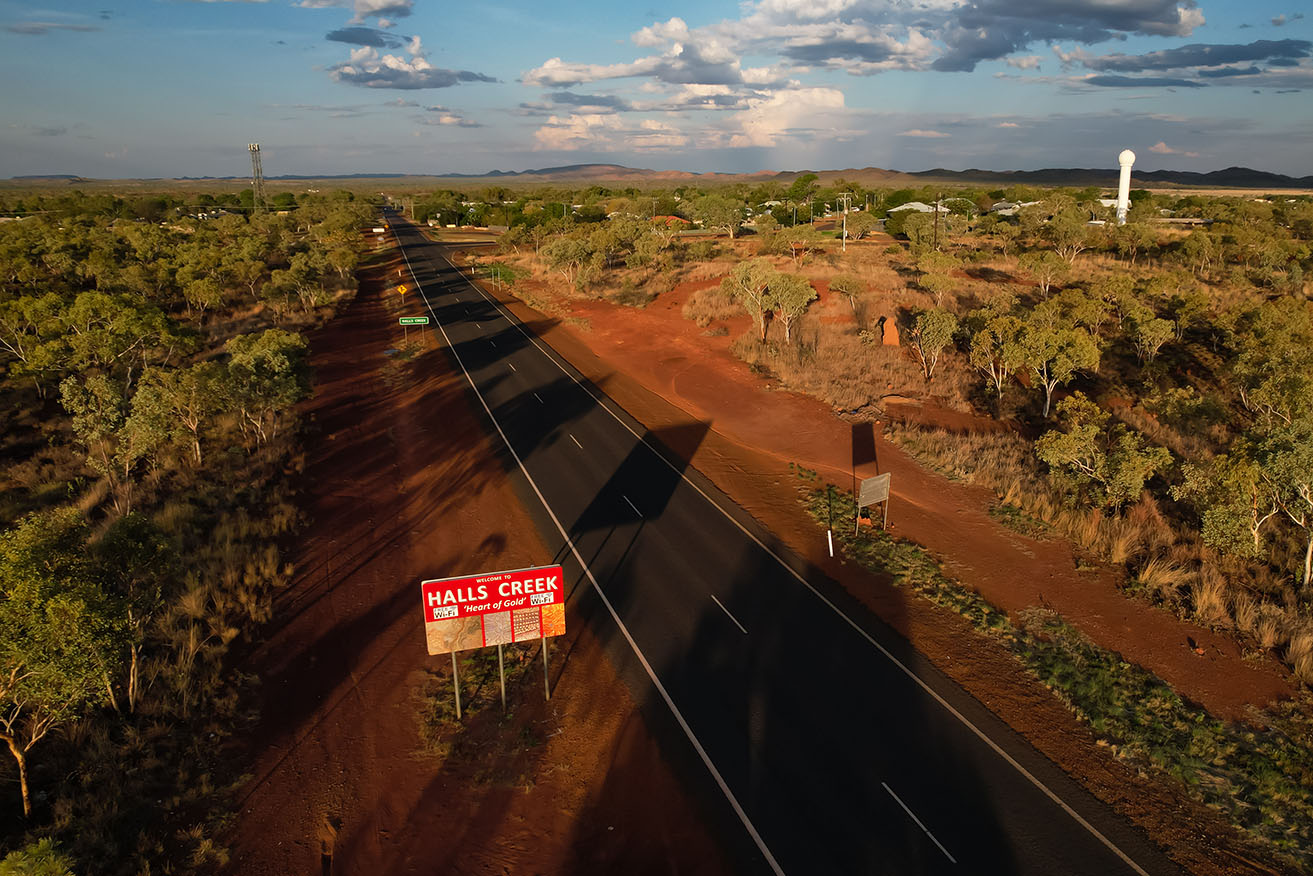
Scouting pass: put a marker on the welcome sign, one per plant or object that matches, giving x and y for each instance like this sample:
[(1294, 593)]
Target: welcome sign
[(494, 608)]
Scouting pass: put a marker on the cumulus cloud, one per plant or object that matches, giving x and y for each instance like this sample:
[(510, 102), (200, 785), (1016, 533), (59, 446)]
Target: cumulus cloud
[(1026, 62), (599, 132), (446, 117), (929, 134), (1162, 148), (1007, 125), (366, 36), (789, 113), (384, 10), (369, 69), (683, 63)]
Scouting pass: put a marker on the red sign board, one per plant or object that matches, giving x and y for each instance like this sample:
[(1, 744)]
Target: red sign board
[(495, 608)]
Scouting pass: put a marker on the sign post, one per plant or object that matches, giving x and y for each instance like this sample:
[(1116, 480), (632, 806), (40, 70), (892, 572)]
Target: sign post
[(455, 683), (494, 608), (501, 674)]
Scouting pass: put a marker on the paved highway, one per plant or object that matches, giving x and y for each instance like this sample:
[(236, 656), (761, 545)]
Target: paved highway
[(817, 740)]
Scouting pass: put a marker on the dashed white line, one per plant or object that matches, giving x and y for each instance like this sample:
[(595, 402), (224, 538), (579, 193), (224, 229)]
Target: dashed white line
[(632, 505), (727, 613), (541, 402), (572, 438), (512, 366), (912, 815), (491, 341)]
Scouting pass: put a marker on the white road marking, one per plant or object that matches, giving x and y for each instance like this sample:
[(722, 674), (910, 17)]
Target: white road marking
[(491, 341), (597, 588), (574, 439), (632, 505), (512, 366), (540, 399), (727, 614), (912, 815), (476, 325)]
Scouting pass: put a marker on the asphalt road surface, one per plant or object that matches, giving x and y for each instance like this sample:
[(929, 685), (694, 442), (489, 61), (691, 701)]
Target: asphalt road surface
[(816, 739)]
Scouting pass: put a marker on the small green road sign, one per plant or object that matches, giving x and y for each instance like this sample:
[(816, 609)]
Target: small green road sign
[(414, 320)]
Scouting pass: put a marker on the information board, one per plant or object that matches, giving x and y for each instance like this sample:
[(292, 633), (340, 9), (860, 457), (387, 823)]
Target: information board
[(494, 608)]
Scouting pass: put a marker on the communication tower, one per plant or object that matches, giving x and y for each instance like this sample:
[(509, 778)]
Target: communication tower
[(257, 175)]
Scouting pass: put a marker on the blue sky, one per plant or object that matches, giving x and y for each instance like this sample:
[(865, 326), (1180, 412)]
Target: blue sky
[(146, 88)]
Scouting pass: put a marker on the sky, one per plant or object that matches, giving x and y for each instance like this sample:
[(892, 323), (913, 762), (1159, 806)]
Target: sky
[(165, 88)]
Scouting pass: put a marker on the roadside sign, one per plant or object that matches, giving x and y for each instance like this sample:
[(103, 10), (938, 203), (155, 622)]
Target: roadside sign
[(874, 491), (414, 320), (495, 608), (401, 290)]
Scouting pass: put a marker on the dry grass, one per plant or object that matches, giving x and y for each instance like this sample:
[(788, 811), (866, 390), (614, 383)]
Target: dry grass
[(705, 306), (1208, 594)]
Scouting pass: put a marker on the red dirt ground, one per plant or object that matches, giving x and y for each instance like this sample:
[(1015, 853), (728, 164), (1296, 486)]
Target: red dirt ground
[(403, 483)]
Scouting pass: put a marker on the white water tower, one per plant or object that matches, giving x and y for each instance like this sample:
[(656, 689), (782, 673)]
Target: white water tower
[(1126, 159)]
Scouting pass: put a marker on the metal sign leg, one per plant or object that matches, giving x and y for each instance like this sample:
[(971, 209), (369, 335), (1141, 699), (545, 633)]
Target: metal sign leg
[(455, 683), (547, 681), (501, 672)]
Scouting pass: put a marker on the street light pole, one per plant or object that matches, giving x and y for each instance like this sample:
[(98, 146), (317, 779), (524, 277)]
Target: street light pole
[(847, 202)]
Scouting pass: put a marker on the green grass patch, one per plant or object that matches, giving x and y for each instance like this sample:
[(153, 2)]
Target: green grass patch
[(1262, 781)]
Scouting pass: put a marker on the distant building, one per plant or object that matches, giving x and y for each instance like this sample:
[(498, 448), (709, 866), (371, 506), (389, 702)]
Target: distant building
[(918, 207)]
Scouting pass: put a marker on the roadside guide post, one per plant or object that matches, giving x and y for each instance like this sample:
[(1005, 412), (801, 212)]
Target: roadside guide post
[(829, 526)]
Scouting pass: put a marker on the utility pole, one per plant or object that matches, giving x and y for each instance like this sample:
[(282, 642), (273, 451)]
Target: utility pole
[(847, 202), (938, 198), (257, 176)]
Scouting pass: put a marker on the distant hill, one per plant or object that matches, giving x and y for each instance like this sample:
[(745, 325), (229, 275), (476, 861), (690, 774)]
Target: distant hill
[(1231, 177)]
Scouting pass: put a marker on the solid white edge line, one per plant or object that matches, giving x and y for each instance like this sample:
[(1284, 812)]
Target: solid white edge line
[(512, 366), (575, 440), (642, 658), (632, 505), (727, 613), (980, 734), (918, 821)]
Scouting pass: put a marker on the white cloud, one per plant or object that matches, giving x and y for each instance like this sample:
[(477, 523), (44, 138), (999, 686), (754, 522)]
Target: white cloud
[(1161, 148), (605, 133), (369, 69), (1027, 62), (788, 113), (928, 134), (1007, 125)]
